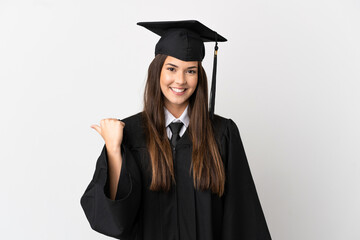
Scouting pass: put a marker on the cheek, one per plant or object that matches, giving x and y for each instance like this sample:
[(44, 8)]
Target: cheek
[(193, 83), (164, 83), (165, 79)]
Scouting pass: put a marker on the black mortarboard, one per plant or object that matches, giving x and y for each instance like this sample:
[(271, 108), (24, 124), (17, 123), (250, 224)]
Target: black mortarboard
[(185, 40)]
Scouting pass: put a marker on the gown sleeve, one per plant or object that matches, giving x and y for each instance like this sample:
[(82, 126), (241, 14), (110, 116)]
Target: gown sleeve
[(243, 216), (116, 218)]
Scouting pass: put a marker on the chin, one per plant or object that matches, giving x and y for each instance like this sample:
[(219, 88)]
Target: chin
[(177, 102)]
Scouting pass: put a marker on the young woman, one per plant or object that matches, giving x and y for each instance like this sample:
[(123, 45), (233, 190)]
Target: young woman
[(174, 171)]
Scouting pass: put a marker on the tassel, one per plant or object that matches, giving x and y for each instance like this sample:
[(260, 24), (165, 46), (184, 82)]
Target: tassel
[(213, 81)]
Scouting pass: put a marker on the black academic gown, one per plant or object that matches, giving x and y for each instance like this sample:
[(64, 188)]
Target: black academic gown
[(183, 213)]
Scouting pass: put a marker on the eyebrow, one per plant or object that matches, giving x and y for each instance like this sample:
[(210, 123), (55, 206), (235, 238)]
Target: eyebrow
[(177, 66)]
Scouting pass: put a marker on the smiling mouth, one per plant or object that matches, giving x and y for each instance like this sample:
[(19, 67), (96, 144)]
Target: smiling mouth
[(178, 90)]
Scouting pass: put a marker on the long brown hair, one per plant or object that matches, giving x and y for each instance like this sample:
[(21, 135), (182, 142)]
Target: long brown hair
[(207, 165)]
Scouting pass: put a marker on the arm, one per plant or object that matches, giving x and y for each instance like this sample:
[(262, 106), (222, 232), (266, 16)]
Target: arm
[(243, 216), (115, 162), (116, 218)]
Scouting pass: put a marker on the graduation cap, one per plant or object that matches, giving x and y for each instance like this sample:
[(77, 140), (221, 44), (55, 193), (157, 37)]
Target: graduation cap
[(185, 40)]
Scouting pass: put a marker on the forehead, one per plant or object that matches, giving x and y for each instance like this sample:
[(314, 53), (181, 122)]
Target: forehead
[(180, 63)]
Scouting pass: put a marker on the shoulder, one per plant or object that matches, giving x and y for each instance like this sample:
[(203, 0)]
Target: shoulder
[(222, 124), (134, 130), (134, 121)]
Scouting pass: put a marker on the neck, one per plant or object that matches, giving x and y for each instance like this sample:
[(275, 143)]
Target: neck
[(176, 110)]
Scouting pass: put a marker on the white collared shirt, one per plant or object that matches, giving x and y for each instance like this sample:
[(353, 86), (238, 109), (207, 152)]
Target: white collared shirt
[(169, 118)]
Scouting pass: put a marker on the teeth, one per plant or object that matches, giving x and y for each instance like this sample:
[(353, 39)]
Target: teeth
[(178, 90)]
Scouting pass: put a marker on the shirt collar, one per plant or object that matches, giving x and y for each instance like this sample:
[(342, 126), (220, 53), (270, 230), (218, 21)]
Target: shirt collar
[(184, 118)]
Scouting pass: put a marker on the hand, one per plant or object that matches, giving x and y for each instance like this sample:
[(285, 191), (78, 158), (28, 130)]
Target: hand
[(111, 130)]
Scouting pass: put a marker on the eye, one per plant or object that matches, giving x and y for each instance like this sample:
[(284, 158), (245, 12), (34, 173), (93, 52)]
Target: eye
[(171, 69), (192, 71)]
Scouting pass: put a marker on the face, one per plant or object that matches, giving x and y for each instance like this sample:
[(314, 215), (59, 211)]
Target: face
[(178, 81)]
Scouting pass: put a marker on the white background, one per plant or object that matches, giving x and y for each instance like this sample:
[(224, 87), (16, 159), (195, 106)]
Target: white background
[(288, 76)]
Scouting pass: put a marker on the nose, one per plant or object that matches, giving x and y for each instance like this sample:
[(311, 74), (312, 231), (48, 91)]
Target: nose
[(180, 78)]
